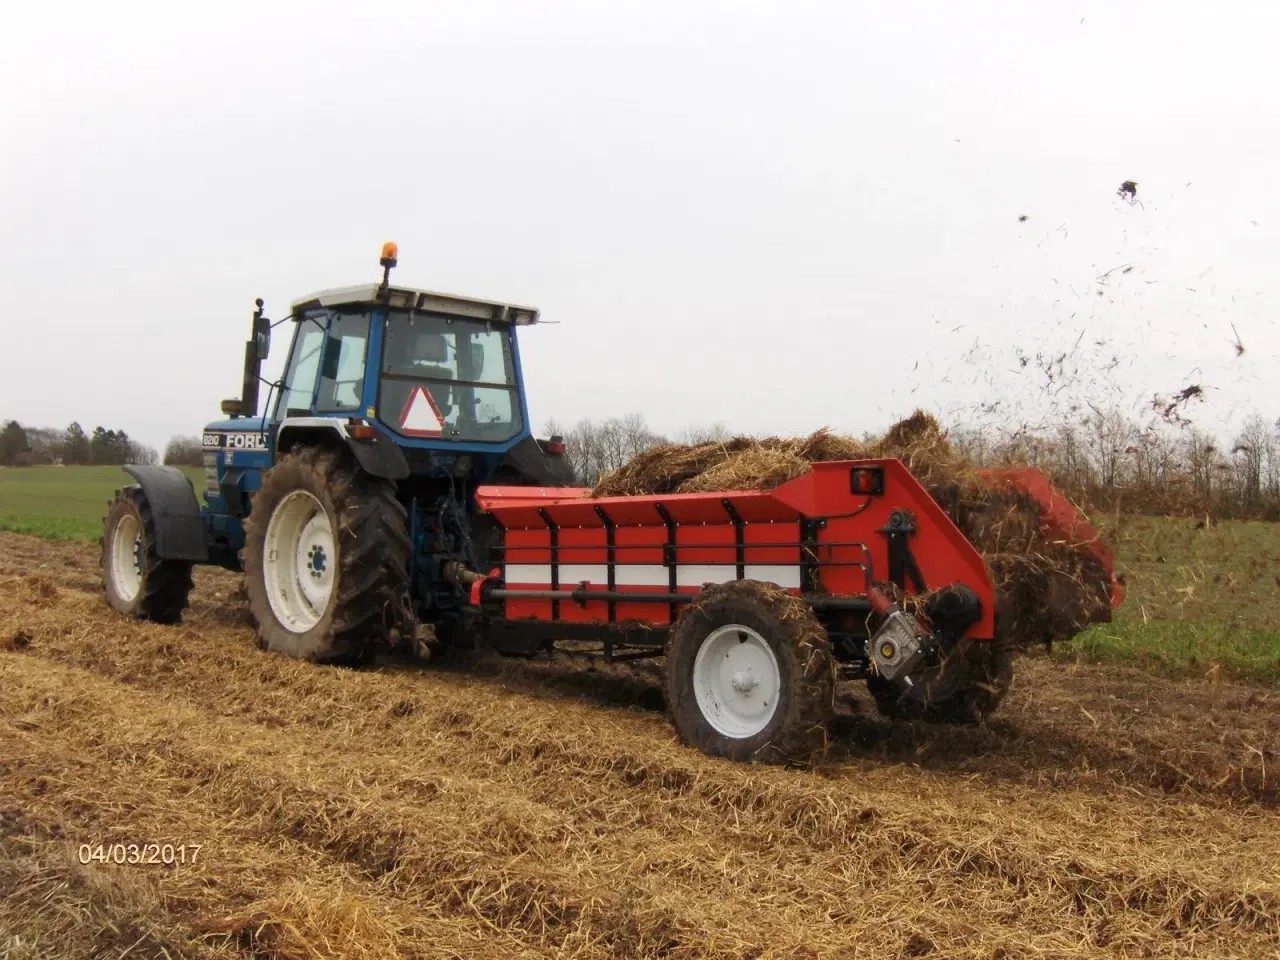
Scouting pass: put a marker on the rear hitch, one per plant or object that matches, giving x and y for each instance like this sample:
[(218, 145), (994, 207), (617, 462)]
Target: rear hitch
[(455, 571)]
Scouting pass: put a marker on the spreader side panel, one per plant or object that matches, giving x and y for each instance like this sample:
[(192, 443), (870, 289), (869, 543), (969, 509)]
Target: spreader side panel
[(646, 563), (829, 533), (877, 523)]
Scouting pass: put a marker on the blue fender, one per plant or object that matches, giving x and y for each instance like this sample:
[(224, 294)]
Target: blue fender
[(378, 456), (179, 528)]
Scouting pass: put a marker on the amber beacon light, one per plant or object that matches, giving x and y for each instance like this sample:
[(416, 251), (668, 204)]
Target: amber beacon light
[(390, 256)]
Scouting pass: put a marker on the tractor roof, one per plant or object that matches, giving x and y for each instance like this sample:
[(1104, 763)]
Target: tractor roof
[(405, 298)]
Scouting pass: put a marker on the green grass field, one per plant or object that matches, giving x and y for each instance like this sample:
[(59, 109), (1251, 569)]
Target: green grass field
[(63, 503), (1198, 600)]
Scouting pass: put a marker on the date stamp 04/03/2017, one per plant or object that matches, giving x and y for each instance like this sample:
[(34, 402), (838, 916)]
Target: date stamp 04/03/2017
[(142, 854)]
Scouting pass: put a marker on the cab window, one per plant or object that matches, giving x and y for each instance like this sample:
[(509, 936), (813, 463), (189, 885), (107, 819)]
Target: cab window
[(300, 377), (342, 373), (466, 369)]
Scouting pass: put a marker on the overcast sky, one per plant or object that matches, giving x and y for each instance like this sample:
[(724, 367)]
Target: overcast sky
[(774, 215)]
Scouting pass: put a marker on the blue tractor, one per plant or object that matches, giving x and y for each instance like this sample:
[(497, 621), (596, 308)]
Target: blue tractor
[(348, 504)]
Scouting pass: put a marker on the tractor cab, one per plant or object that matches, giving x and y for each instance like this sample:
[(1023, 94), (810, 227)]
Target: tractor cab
[(420, 388), (430, 371)]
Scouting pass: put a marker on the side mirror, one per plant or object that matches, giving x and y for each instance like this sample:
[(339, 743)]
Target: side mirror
[(262, 337), (255, 351)]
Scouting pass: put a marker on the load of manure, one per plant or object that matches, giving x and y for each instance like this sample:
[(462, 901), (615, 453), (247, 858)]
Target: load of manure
[(1046, 590)]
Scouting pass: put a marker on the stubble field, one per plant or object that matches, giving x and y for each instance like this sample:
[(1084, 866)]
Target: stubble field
[(498, 809)]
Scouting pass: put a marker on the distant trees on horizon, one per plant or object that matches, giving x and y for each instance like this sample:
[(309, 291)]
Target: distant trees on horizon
[(1105, 459), (31, 446)]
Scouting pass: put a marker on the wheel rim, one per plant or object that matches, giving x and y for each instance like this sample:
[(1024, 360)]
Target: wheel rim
[(126, 558), (736, 681), (299, 561)]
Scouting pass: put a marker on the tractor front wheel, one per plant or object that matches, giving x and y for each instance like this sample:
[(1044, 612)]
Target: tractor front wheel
[(750, 674), (138, 583), (326, 558)]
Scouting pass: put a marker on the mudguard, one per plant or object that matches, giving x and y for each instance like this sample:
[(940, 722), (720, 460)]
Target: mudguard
[(530, 461), (179, 526), (379, 456)]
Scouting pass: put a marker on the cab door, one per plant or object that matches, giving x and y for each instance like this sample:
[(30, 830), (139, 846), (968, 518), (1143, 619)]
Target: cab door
[(299, 386)]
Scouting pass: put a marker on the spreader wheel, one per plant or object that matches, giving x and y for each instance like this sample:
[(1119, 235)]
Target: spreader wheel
[(326, 558), (138, 583), (965, 687), (750, 674)]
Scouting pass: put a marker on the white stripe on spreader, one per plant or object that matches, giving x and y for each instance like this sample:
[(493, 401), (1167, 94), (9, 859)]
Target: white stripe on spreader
[(651, 574), (785, 575)]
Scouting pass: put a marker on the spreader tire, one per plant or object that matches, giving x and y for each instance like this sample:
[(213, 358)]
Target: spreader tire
[(326, 558), (966, 687), (749, 675), (138, 583)]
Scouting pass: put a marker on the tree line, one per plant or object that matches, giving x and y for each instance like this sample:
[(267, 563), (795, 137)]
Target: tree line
[(32, 446), (1106, 460), (24, 446), (594, 447), (1113, 462)]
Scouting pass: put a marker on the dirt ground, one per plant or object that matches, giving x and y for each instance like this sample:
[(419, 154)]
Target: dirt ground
[(498, 809)]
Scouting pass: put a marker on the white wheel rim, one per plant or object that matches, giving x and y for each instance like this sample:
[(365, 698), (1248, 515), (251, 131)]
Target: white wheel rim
[(126, 558), (299, 561), (736, 681)]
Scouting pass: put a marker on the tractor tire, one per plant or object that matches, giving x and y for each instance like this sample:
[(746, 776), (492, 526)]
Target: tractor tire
[(965, 687), (138, 583), (326, 560), (241, 595), (750, 676)]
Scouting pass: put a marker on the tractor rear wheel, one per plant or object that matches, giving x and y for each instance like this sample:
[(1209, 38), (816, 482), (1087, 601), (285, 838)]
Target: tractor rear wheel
[(326, 560), (750, 674), (966, 686), (138, 583)]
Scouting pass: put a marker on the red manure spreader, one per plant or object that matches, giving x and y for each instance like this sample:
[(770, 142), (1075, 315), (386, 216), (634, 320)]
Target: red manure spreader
[(760, 601)]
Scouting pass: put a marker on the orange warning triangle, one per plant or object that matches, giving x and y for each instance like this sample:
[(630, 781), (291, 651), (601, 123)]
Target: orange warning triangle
[(420, 416)]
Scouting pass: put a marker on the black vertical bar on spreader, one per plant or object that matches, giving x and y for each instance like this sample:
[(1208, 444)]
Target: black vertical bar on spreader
[(913, 571), (808, 553), (501, 549), (669, 555), (553, 534), (739, 538), (610, 546), (902, 565)]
